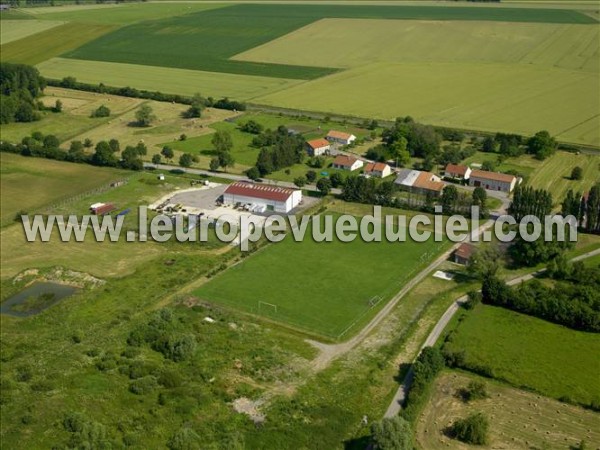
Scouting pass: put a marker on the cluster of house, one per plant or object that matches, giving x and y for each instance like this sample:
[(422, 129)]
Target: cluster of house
[(322, 146)]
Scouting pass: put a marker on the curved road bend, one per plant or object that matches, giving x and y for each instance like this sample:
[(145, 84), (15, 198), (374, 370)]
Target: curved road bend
[(439, 327)]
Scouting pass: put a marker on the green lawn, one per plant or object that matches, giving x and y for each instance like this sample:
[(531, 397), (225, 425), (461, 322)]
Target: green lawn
[(322, 288), (532, 353)]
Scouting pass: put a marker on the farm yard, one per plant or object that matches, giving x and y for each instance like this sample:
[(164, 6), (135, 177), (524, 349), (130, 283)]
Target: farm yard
[(326, 289), (525, 351), (518, 419)]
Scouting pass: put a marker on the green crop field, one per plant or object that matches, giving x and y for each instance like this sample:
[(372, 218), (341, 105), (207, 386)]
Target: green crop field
[(13, 30), (164, 79), (322, 288), (228, 31), (515, 98), (530, 352), (518, 419), (53, 42)]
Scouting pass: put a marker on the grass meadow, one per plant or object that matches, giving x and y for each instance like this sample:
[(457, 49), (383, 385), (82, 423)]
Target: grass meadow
[(531, 353), (518, 419), (322, 288), (51, 181)]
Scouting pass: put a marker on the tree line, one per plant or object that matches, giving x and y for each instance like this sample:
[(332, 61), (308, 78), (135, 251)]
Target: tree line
[(106, 153), (209, 102), (574, 301), (20, 86), (585, 208), (541, 145)]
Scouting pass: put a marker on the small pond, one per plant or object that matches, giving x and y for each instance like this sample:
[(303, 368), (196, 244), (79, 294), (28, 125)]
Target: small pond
[(36, 298)]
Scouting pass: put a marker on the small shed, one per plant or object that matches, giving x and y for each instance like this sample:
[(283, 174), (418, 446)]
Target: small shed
[(464, 253), (161, 177)]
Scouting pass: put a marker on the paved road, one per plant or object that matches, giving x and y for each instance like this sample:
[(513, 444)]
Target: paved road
[(439, 327), (234, 177)]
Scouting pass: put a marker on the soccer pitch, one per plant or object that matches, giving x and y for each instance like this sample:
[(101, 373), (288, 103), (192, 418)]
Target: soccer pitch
[(327, 289)]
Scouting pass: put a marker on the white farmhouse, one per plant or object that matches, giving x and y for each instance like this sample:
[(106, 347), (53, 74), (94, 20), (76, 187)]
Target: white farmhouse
[(346, 162), (339, 137), (272, 198), (317, 147)]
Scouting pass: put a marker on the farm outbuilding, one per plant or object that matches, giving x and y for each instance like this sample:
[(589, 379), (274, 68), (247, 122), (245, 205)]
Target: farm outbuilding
[(493, 181), (419, 182), (272, 198), (378, 170), (339, 137), (464, 253), (457, 172)]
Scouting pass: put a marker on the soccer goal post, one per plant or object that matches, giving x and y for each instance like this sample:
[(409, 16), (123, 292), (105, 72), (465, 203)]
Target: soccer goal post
[(374, 301), (266, 307)]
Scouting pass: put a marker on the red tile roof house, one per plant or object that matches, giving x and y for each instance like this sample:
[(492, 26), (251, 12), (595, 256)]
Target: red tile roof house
[(379, 170), (318, 147), (464, 253), (345, 162), (457, 172), (339, 137), (428, 183), (493, 181), (274, 198)]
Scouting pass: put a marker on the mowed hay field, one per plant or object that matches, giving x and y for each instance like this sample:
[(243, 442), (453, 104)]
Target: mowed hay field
[(518, 419), (346, 43), (554, 174), (13, 30), (525, 351), (29, 184), (75, 118), (323, 288)]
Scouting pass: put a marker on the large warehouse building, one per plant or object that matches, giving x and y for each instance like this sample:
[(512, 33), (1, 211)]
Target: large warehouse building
[(269, 198)]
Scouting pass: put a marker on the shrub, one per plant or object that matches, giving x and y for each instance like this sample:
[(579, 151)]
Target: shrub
[(23, 373), (143, 386), (77, 337), (471, 430), (184, 439), (577, 173), (170, 378), (392, 434), (476, 390), (101, 111), (176, 347)]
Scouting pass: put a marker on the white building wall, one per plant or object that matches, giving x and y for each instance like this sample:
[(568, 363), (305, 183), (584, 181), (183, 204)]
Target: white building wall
[(272, 205)]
